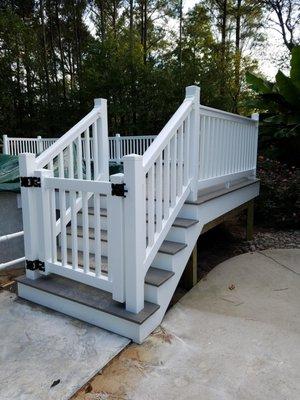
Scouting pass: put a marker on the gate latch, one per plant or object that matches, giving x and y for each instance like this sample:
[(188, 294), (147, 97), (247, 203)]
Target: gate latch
[(30, 181), (118, 189), (35, 265)]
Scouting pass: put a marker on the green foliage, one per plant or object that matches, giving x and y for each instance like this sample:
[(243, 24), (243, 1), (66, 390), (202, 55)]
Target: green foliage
[(57, 55), (278, 203), (280, 101)]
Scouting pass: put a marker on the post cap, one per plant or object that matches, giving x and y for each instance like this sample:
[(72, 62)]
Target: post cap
[(192, 91), (99, 102)]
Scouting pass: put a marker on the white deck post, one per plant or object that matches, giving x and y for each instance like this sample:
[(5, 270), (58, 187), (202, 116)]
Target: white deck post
[(39, 147), (135, 232), (102, 132), (5, 149), (255, 117), (43, 207), (29, 213), (118, 147), (193, 92), (115, 219)]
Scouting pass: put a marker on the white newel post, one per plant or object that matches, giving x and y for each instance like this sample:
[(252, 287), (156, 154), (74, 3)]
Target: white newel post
[(193, 92), (102, 132), (5, 145), (29, 213), (44, 216), (118, 147), (115, 219), (135, 232), (39, 145), (255, 117)]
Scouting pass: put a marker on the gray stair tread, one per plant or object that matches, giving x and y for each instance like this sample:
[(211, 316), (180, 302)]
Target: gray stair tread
[(92, 264), (88, 296), (184, 222), (156, 276), (171, 248), (218, 192), (179, 222), (91, 233)]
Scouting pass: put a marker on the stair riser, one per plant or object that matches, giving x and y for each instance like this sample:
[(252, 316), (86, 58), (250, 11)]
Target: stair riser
[(151, 292), (164, 261), (177, 234), (189, 211), (91, 245)]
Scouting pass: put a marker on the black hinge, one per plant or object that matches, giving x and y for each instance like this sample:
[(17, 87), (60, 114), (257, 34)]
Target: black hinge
[(30, 181), (35, 265), (118, 189)]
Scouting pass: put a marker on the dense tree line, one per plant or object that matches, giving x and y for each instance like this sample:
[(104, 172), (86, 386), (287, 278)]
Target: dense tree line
[(56, 56)]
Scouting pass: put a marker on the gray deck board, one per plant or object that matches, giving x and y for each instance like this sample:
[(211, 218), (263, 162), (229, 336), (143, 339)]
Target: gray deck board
[(218, 192), (88, 296)]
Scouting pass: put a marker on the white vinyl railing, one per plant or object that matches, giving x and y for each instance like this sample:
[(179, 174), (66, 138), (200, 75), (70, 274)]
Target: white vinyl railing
[(199, 147), (83, 151), (227, 147), (87, 253), (158, 184), (18, 145), (119, 146)]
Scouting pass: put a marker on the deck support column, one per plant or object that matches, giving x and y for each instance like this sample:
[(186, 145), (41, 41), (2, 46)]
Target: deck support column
[(189, 276), (250, 220)]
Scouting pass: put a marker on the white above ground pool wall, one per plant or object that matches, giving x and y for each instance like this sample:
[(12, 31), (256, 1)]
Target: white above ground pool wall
[(11, 222)]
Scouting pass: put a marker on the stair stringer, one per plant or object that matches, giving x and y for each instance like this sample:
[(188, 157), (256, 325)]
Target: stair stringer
[(205, 213)]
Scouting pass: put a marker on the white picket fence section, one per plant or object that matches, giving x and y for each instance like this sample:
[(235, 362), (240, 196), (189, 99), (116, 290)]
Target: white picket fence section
[(119, 146), (199, 147)]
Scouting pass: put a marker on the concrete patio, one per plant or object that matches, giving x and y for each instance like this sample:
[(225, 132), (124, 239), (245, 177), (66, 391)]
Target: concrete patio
[(45, 355), (235, 336)]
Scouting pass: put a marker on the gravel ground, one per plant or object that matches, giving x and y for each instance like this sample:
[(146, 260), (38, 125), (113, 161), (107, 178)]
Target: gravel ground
[(228, 240)]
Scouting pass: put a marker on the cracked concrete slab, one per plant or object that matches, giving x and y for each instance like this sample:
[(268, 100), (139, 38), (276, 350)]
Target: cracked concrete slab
[(46, 355)]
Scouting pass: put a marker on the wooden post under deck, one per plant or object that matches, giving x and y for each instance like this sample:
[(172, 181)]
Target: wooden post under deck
[(189, 276), (250, 220)]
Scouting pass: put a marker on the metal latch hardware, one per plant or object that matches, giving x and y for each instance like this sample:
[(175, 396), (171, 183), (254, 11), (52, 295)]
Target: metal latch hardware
[(30, 181), (118, 189)]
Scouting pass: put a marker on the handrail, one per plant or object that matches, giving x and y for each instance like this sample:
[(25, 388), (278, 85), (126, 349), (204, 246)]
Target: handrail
[(205, 110), (67, 138), (10, 236), (5, 238), (164, 136)]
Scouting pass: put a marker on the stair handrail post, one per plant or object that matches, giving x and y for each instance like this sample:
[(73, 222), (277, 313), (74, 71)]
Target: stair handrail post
[(135, 231), (5, 145), (255, 117), (27, 167), (115, 232), (118, 147), (102, 135), (193, 93)]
